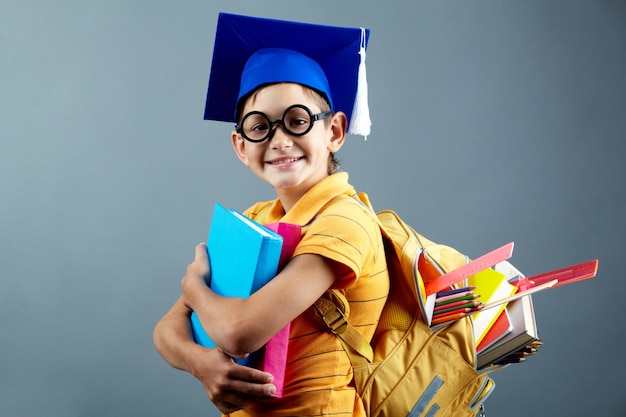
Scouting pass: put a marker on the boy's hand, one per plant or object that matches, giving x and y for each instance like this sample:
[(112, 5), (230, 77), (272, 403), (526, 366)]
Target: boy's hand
[(230, 386), (197, 275)]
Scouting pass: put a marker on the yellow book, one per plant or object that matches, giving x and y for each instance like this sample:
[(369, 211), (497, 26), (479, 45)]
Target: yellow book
[(491, 285)]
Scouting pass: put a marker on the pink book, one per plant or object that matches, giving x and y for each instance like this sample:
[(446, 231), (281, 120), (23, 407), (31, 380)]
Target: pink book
[(273, 359)]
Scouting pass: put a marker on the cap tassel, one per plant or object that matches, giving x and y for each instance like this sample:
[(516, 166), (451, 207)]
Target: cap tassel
[(360, 122)]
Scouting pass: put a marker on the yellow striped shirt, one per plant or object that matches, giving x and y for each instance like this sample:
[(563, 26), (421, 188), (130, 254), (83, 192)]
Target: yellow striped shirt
[(318, 373)]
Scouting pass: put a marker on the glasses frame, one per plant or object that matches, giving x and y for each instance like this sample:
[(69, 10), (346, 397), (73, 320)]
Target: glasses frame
[(270, 132)]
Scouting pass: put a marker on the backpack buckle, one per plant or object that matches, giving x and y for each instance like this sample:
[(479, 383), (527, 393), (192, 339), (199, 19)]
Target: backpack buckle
[(336, 321), (334, 318)]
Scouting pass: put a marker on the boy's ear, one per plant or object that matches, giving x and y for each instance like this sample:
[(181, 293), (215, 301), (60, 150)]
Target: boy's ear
[(239, 145), (339, 127)]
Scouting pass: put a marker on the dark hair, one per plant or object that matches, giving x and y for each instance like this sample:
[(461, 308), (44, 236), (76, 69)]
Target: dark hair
[(322, 102)]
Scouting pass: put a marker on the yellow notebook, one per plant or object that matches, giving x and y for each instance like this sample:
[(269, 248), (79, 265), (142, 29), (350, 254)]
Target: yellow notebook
[(491, 285)]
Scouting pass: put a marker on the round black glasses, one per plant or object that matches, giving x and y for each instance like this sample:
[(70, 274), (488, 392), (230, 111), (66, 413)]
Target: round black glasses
[(297, 120)]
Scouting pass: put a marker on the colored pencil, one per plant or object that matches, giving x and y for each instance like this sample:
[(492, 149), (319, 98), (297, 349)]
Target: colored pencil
[(456, 297), (455, 291), (463, 305), (447, 317)]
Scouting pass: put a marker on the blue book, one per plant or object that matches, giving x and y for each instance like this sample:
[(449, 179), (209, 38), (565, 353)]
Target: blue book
[(244, 256)]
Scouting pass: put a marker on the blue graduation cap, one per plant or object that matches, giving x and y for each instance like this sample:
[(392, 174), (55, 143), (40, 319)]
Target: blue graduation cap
[(250, 52)]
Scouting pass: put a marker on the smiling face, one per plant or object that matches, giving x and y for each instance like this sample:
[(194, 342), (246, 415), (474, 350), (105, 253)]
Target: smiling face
[(291, 164)]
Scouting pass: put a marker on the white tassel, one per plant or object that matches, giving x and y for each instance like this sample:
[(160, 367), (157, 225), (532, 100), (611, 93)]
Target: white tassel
[(360, 122)]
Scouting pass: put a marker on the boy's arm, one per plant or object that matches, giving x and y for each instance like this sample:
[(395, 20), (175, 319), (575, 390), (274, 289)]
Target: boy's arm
[(228, 385), (243, 325)]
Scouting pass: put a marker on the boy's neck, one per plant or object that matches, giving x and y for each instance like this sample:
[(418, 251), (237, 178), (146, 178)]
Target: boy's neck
[(289, 196), (288, 199)]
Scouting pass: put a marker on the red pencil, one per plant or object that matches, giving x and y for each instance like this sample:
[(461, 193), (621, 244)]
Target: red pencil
[(447, 317), (455, 311)]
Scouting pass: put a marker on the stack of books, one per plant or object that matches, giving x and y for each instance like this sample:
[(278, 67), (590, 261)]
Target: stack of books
[(498, 297), (241, 248), (505, 335), (513, 328), (513, 343)]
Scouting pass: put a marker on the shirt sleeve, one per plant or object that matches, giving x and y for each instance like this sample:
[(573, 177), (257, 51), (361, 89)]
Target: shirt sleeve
[(345, 233)]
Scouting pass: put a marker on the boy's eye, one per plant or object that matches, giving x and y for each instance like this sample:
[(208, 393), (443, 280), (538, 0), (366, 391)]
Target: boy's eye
[(297, 121), (259, 127)]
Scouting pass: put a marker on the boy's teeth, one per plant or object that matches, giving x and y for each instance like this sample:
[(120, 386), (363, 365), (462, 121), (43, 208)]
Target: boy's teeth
[(286, 161)]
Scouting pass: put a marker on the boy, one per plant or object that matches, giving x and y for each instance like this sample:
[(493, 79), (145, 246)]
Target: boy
[(295, 88)]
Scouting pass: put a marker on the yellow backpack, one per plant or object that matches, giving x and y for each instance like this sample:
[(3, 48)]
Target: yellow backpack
[(409, 369)]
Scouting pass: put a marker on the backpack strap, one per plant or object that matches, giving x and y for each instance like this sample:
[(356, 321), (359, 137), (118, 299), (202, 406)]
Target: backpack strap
[(332, 307)]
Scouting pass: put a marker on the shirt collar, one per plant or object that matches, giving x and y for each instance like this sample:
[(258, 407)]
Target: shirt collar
[(310, 204)]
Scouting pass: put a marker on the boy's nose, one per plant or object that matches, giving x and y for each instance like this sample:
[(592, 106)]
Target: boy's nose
[(279, 138)]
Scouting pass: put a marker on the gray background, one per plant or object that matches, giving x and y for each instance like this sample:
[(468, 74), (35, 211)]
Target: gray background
[(493, 121)]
